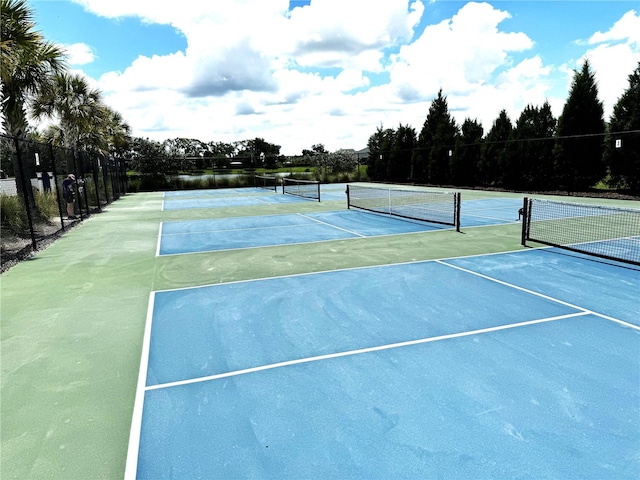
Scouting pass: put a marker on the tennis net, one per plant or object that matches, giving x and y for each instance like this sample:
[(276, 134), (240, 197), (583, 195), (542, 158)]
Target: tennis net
[(269, 182), (606, 232), (429, 206), (301, 188)]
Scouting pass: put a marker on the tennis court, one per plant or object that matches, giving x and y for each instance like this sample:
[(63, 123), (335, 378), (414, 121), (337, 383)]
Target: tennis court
[(268, 230), (390, 354), (208, 235), (411, 370)]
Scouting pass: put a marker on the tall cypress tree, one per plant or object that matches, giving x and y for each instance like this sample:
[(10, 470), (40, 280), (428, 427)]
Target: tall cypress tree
[(624, 126), (379, 145), (464, 163), (579, 146), (495, 151), (404, 142), (531, 159), (436, 140)]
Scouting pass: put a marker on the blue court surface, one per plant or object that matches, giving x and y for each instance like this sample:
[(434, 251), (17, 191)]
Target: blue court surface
[(522, 365), (259, 197), (212, 192), (260, 231), (231, 197)]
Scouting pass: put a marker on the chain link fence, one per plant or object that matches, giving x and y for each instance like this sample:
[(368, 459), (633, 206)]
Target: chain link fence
[(33, 210)]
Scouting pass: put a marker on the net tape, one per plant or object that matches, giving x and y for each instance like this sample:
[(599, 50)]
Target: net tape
[(602, 231), (429, 206)]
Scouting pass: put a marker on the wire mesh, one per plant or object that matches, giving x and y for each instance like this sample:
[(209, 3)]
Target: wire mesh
[(429, 206), (301, 188), (606, 232)]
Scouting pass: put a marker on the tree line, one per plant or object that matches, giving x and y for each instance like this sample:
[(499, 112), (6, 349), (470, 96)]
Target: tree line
[(574, 152)]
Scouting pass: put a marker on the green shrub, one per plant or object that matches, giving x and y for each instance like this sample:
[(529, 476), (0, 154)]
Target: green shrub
[(13, 215), (47, 205)]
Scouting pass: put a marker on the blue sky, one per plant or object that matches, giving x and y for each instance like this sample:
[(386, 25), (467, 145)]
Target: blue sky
[(298, 73)]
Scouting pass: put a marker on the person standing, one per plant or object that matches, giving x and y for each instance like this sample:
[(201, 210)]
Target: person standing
[(69, 196)]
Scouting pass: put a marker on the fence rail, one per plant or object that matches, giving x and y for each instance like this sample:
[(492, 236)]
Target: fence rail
[(33, 209)]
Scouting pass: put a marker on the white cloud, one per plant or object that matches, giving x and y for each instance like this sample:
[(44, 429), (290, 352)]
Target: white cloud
[(612, 65), (615, 56), (147, 74), (79, 54), (338, 33), (457, 55), (627, 29), (312, 75)]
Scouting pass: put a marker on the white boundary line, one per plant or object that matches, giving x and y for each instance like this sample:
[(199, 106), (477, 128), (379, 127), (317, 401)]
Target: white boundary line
[(363, 350), (159, 240), (334, 226), (138, 405)]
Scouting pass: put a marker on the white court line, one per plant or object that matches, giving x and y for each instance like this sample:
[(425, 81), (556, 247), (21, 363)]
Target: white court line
[(541, 295), (363, 350), (471, 215), (138, 405), (332, 226), (159, 240)]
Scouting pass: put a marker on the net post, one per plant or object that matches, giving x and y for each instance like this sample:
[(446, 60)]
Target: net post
[(348, 201), (458, 202), (318, 191), (524, 211)]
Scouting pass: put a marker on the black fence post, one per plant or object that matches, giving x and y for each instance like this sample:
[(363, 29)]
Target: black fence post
[(79, 187), (103, 161), (26, 188), (125, 182), (94, 171), (54, 170)]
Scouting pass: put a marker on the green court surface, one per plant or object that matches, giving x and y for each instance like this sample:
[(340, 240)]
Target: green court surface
[(73, 318)]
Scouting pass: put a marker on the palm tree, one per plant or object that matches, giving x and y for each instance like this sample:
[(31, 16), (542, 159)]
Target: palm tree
[(84, 121), (118, 132), (28, 62), (76, 105)]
